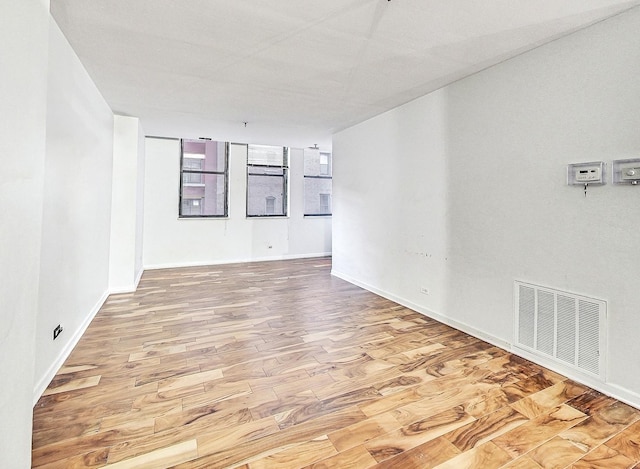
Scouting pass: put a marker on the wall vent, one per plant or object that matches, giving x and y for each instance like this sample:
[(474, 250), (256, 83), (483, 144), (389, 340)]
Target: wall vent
[(560, 326)]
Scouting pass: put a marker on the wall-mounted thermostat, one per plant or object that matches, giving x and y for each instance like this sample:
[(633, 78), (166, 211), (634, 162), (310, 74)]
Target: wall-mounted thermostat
[(585, 173), (626, 171)]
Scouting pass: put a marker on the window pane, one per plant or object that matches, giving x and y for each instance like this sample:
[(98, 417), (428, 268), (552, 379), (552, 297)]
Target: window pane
[(317, 164), (325, 164), (194, 164), (325, 203), (192, 179), (265, 195), (317, 196), (266, 155), (205, 155), (192, 206), (206, 198), (270, 203)]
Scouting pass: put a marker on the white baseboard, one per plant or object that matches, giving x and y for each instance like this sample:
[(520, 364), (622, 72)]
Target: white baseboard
[(427, 312), (44, 381), (613, 390), (285, 257)]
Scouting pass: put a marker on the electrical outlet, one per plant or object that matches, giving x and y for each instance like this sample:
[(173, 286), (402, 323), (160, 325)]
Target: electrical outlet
[(57, 331), (424, 291)]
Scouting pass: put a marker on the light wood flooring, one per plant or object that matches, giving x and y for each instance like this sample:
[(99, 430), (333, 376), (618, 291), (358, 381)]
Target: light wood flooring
[(280, 365)]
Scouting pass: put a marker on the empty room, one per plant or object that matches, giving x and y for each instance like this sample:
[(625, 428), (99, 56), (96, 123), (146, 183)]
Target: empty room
[(339, 234)]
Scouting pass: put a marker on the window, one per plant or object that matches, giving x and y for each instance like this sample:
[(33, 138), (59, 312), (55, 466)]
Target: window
[(190, 163), (270, 203), (317, 183), (324, 164), (267, 169), (191, 207), (325, 203), (203, 178)]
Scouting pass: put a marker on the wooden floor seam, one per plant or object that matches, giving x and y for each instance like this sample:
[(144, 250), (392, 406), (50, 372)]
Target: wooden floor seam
[(282, 365)]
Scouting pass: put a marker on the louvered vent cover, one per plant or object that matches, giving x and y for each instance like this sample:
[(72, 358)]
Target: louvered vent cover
[(561, 326)]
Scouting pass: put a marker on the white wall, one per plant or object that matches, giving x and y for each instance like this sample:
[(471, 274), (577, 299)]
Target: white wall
[(125, 265), (23, 82), (74, 267), (170, 241), (138, 263), (390, 198), (575, 100), (493, 150)]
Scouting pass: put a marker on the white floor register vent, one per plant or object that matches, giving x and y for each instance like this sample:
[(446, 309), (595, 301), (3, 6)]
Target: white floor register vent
[(562, 327)]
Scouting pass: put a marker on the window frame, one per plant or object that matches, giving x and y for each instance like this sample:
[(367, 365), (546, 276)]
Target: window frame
[(202, 173), (329, 176), (285, 184)]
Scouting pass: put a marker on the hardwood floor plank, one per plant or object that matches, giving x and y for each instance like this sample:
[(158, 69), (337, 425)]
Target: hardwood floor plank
[(354, 458), (492, 400), (532, 434), (164, 457), (523, 462), (172, 384), (590, 401), (591, 433), (417, 433), (424, 456), (627, 442), (438, 397), (297, 455), (603, 457), (259, 445), (557, 452), (42, 436), (343, 386), (485, 428), (541, 401), (239, 401), (202, 417), (75, 369), (92, 459), (64, 448), (361, 432), (485, 456), (305, 383), (73, 385)]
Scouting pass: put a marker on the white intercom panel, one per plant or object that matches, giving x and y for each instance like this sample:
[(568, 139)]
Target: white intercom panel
[(585, 173), (626, 171)]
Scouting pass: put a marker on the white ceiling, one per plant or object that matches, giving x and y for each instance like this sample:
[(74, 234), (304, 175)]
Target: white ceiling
[(297, 71)]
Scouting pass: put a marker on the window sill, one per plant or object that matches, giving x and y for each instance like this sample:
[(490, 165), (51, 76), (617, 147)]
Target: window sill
[(203, 218)]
